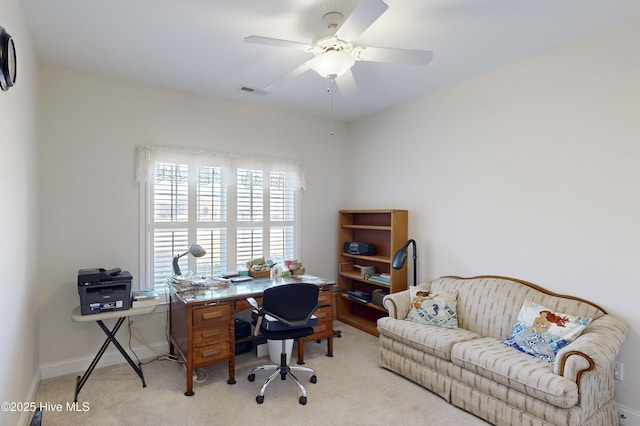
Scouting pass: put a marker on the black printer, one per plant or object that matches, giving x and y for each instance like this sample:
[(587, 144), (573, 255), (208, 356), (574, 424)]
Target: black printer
[(104, 290)]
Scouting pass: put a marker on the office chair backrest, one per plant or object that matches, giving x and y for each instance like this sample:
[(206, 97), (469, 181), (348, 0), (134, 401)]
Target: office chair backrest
[(292, 304)]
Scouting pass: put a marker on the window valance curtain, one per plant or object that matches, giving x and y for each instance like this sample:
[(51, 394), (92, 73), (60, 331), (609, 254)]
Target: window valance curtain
[(147, 155)]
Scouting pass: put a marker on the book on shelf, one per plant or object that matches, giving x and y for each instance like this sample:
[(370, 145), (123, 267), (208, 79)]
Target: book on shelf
[(380, 279), (360, 296)]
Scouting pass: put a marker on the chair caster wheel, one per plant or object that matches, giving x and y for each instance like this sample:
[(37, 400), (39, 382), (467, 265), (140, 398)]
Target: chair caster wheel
[(314, 379), (303, 400), (251, 377), (260, 399)]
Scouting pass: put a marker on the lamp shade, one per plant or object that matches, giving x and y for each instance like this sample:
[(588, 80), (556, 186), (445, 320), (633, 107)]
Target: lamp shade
[(333, 63), (195, 250), (400, 258)]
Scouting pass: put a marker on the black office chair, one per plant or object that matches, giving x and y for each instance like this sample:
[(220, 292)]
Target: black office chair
[(292, 305)]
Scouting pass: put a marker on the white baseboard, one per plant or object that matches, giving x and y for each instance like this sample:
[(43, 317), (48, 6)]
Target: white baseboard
[(110, 357), (628, 417), (25, 417)]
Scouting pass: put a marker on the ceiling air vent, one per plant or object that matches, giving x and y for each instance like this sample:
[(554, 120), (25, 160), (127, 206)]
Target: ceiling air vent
[(252, 90)]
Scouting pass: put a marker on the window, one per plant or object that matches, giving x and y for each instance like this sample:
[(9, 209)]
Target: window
[(236, 209)]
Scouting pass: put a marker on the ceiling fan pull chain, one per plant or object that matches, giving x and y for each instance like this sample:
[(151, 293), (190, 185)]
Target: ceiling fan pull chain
[(329, 81)]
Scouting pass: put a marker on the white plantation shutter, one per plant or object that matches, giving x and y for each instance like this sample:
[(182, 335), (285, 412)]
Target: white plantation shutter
[(214, 241), (211, 211), (281, 216), (250, 213), (169, 206), (237, 209)]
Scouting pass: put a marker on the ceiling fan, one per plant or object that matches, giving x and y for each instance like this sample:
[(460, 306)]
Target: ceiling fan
[(336, 48)]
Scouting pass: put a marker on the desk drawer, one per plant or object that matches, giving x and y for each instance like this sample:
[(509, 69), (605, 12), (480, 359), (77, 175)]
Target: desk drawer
[(323, 314), (325, 297), (241, 305), (321, 331), (324, 327), (210, 335), (211, 354), (210, 315)]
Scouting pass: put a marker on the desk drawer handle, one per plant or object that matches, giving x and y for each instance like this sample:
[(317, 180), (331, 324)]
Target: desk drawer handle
[(211, 352), (210, 333), (320, 314), (320, 327), (211, 315)]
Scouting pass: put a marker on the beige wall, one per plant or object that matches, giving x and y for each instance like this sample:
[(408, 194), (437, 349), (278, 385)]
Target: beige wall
[(89, 199), (531, 171), (19, 371)]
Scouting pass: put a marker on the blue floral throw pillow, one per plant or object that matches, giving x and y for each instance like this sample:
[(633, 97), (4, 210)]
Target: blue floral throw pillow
[(541, 332), (438, 309)]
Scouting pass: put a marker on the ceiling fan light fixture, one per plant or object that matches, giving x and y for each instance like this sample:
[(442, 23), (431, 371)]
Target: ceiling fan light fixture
[(333, 63), (336, 49)]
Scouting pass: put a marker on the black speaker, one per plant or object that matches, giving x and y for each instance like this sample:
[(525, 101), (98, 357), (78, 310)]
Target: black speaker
[(377, 296), (242, 329), (363, 249)]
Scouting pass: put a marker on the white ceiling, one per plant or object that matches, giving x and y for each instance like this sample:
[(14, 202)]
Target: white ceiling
[(197, 45)]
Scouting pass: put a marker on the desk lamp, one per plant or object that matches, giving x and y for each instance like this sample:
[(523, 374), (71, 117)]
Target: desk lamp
[(195, 250), (401, 257)]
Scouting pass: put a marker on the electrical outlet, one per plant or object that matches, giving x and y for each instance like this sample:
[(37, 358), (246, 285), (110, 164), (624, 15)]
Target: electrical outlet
[(623, 419), (618, 373)]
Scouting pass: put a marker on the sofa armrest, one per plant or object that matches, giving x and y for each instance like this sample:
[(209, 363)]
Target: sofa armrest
[(595, 349), (399, 304)]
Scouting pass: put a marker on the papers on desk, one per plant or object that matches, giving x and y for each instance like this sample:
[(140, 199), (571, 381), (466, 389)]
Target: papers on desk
[(181, 284), (312, 279), (143, 294), (145, 302), (305, 277), (140, 298), (240, 279)]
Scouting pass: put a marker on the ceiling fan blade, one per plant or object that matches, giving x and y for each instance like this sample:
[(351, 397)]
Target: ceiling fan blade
[(278, 42), (365, 14), (347, 84), (397, 56), (288, 76)]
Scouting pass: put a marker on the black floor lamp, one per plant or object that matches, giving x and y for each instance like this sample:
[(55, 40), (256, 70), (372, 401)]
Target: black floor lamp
[(401, 257)]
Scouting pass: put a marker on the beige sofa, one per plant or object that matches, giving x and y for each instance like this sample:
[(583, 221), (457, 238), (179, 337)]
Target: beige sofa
[(473, 369)]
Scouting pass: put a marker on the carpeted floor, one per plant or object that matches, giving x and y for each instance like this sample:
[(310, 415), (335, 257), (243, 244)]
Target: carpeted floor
[(351, 390)]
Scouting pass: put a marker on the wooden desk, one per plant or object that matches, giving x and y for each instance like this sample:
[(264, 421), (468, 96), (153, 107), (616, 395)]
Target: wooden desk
[(111, 338), (201, 322)]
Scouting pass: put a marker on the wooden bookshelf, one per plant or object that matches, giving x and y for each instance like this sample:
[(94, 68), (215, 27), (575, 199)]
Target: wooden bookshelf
[(387, 231)]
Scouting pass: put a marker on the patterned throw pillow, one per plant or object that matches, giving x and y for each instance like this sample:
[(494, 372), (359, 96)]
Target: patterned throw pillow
[(541, 332), (434, 308)]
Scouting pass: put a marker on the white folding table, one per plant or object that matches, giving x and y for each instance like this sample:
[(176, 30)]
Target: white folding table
[(111, 338)]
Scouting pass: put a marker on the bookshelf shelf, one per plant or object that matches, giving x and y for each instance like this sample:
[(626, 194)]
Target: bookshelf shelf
[(380, 259), (368, 305), (357, 277), (379, 228)]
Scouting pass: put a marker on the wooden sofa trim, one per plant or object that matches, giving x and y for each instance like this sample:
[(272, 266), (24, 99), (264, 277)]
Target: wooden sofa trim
[(586, 357), (395, 308), (528, 284)]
